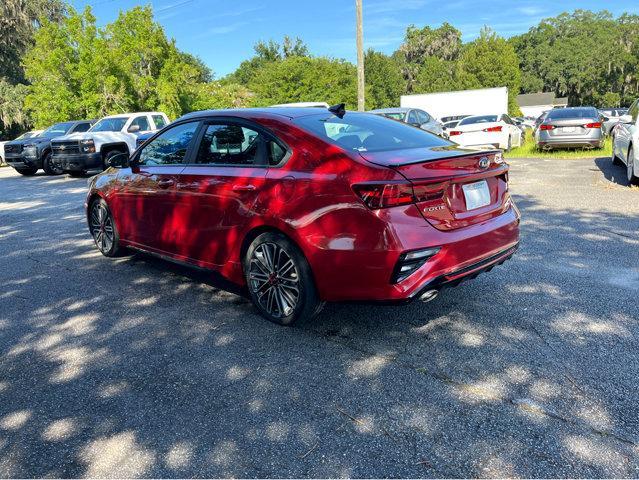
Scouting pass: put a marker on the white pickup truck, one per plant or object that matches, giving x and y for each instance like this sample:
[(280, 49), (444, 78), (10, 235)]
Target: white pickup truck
[(91, 150)]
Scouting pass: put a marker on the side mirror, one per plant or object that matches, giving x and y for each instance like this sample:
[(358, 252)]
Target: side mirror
[(625, 118), (120, 160), (133, 129)]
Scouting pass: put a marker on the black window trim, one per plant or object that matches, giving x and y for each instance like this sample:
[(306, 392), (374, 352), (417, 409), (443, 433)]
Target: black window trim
[(135, 159), (206, 121)]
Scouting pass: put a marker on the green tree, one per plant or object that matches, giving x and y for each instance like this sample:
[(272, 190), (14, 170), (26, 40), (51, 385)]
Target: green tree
[(265, 54), (304, 79), (420, 44), (490, 61), (384, 80)]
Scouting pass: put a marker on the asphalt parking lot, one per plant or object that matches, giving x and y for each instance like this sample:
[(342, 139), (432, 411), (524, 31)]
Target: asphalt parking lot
[(136, 367)]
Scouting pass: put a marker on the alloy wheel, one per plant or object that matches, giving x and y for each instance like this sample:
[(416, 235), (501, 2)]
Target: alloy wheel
[(102, 227), (274, 279)]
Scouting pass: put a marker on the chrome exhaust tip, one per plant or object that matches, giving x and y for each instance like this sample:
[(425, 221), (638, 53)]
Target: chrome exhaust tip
[(429, 295)]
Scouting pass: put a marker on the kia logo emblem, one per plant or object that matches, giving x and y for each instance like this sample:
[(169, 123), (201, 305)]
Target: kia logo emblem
[(484, 162)]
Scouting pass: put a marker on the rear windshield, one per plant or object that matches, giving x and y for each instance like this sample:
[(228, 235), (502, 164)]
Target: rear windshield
[(561, 113), (479, 119), (394, 115), (369, 133)]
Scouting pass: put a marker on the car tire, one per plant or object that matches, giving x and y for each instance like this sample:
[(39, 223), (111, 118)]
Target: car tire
[(103, 229), (49, 167), (280, 281), (615, 159), (509, 145), (632, 178), (27, 172)]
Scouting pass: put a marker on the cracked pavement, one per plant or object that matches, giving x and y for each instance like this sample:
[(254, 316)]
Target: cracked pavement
[(136, 367)]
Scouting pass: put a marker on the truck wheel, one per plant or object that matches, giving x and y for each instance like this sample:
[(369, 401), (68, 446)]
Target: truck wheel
[(49, 167), (27, 172)]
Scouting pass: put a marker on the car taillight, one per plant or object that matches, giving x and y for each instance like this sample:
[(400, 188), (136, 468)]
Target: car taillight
[(452, 133), (384, 195), (546, 127), (493, 129), (593, 125)]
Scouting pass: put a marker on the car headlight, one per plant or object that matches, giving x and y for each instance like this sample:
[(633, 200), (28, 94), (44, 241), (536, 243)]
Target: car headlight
[(87, 146)]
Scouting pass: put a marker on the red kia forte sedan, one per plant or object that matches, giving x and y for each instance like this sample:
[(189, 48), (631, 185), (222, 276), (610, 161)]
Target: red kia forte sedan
[(307, 205)]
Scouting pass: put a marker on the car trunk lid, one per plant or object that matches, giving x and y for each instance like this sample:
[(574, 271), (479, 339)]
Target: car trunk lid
[(453, 187)]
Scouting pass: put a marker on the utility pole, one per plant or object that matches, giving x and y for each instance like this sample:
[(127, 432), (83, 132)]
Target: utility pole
[(360, 57)]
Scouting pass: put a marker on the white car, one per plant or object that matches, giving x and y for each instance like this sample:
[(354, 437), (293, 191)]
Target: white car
[(79, 152), (625, 143), (487, 131)]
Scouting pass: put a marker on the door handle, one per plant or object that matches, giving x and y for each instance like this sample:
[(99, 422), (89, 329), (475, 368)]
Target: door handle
[(166, 183), (243, 188)]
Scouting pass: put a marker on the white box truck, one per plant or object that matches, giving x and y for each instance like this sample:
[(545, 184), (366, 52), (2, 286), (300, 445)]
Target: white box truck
[(482, 101)]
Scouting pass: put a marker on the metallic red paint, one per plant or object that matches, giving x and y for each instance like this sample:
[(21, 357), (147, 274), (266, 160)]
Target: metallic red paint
[(204, 215)]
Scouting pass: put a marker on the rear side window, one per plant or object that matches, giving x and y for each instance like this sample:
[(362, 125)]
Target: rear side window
[(159, 121), (368, 133), (564, 113), (412, 117), (169, 148), (422, 117)]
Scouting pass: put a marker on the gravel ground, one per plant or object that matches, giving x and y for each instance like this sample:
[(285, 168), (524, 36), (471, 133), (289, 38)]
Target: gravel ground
[(137, 368)]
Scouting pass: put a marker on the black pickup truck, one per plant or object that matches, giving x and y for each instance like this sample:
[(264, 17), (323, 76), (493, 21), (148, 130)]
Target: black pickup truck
[(28, 155)]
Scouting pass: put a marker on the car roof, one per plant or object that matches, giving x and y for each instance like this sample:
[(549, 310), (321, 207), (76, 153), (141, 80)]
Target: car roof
[(391, 110), (121, 115), (287, 112)]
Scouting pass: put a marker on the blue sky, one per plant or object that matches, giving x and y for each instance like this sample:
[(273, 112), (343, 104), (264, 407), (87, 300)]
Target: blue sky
[(223, 33)]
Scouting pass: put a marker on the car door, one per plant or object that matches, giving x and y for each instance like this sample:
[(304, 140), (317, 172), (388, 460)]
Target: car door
[(145, 203), (218, 191), (625, 131)]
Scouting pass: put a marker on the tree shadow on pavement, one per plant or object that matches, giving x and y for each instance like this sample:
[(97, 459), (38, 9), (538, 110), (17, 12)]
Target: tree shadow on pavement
[(134, 367)]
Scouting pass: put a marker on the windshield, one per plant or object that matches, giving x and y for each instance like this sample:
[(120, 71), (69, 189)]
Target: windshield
[(561, 113), (57, 130), (369, 133), (480, 119), (114, 124)]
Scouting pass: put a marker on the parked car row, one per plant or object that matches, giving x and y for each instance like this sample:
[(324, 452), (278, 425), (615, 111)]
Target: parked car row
[(79, 146)]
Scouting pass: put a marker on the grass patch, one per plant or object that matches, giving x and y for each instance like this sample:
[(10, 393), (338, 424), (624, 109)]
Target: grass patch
[(529, 150)]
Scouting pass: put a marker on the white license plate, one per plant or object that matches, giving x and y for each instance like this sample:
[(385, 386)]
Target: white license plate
[(476, 195), (568, 129)]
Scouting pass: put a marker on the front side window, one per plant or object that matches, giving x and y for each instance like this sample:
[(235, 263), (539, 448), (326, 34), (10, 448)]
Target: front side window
[(159, 121), (113, 124), (368, 133), (230, 144), (169, 148), (142, 124)]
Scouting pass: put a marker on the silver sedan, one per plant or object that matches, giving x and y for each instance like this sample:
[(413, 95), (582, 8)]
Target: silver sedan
[(625, 137), (575, 127), (414, 116)]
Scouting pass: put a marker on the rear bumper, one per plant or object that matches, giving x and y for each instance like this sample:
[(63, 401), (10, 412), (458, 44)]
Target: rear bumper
[(566, 141), (464, 253), (79, 162)]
